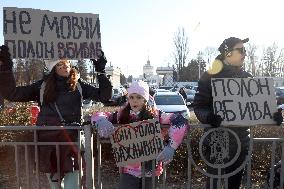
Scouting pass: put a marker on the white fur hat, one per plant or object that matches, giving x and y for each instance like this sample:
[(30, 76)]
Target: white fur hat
[(50, 64)]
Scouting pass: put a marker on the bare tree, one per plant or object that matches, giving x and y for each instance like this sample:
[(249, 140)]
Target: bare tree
[(34, 70), (272, 61), (209, 54), (19, 72), (181, 50), (83, 69), (250, 64)]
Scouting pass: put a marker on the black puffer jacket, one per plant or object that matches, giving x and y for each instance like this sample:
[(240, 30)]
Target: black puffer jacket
[(69, 104), (203, 100), (68, 101)]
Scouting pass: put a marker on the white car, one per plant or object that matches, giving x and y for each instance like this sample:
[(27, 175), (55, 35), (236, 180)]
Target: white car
[(170, 102)]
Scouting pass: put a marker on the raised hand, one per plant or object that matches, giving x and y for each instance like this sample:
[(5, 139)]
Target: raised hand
[(100, 63)]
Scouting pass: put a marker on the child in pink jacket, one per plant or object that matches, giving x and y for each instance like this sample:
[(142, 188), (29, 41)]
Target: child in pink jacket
[(137, 109)]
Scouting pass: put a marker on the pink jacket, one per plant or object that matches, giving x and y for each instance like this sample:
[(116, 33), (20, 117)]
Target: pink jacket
[(176, 134)]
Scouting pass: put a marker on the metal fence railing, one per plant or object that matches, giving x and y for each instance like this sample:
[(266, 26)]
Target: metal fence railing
[(32, 174), (222, 179)]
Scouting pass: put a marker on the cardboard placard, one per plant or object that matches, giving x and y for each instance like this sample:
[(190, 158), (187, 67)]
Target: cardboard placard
[(244, 101), (137, 142), (42, 34)]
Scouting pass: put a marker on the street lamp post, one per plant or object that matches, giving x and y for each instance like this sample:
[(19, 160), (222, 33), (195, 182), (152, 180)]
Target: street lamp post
[(93, 74), (198, 69)]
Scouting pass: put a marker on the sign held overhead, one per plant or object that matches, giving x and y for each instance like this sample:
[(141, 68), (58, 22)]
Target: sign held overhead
[(43, 34)]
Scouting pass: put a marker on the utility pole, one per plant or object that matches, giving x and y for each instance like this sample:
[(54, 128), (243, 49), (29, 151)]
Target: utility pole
[(199, 60), (93, 79), (198, 69)]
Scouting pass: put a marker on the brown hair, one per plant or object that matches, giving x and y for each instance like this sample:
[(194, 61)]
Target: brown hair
[(146, 113), (50, 92)]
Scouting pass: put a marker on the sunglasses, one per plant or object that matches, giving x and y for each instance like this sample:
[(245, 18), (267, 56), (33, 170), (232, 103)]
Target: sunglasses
[(241, 50)]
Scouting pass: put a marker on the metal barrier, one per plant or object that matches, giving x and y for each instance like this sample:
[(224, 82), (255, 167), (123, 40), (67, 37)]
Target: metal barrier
[(85, 136), (89, 158), (221, 179)]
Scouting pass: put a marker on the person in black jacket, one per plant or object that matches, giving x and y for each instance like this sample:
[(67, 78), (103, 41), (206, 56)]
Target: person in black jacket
[(228, 64), (61, 90), (183, 93)]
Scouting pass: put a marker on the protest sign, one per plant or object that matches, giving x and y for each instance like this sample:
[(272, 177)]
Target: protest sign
[(42, 34), (244, 101), (137, 142)]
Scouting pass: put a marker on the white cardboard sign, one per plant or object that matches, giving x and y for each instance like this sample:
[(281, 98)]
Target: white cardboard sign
[(42, 34), (137, 142), (244, 101)]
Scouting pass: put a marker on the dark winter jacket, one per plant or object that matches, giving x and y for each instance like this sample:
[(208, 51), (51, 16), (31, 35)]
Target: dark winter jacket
[(203, 100), (183, 94), (69, 104)]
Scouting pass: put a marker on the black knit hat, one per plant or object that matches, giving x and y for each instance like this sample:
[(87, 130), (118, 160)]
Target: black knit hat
[(229, 43)]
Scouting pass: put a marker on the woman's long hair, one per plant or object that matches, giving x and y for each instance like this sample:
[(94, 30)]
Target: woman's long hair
[(146, 113), (50, 92)]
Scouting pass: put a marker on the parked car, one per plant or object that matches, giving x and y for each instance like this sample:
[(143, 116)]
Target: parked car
[(191, 87), (190, 96), (174, 89), (166, 87), (87, 104), (118, 96), (279, 95), (161, 90), (170, 102)]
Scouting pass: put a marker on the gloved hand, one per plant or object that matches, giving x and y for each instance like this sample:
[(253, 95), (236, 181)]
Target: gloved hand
[(214, 120), (5, 58), (166, 155), (100, 63), (278, 117), (104, 127), (178, 120)]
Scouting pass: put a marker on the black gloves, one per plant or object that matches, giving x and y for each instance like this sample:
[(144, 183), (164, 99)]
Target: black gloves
[(277, 116), (214, 120), (100, 63), (5, 58)]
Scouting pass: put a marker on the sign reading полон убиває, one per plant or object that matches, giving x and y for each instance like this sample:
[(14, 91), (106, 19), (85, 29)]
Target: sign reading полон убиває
[(137, 142), (244, 101), (42, 34)]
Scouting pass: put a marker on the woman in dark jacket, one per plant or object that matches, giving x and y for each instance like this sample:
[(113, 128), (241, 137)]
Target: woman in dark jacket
[(61, 90)]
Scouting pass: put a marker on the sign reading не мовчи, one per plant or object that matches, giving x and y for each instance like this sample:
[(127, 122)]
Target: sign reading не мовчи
[(42, 34), (244, 101), (137, 142)]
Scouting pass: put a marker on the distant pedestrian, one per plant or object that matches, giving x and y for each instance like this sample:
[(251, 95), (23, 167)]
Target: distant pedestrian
[(183, 93)]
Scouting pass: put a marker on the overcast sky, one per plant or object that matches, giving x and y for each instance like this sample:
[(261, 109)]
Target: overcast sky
[(132, 30)]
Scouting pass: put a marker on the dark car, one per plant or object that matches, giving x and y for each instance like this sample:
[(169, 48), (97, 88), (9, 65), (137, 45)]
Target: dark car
[(191, 87), (190, 96), (118, 96), (279, 95)]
